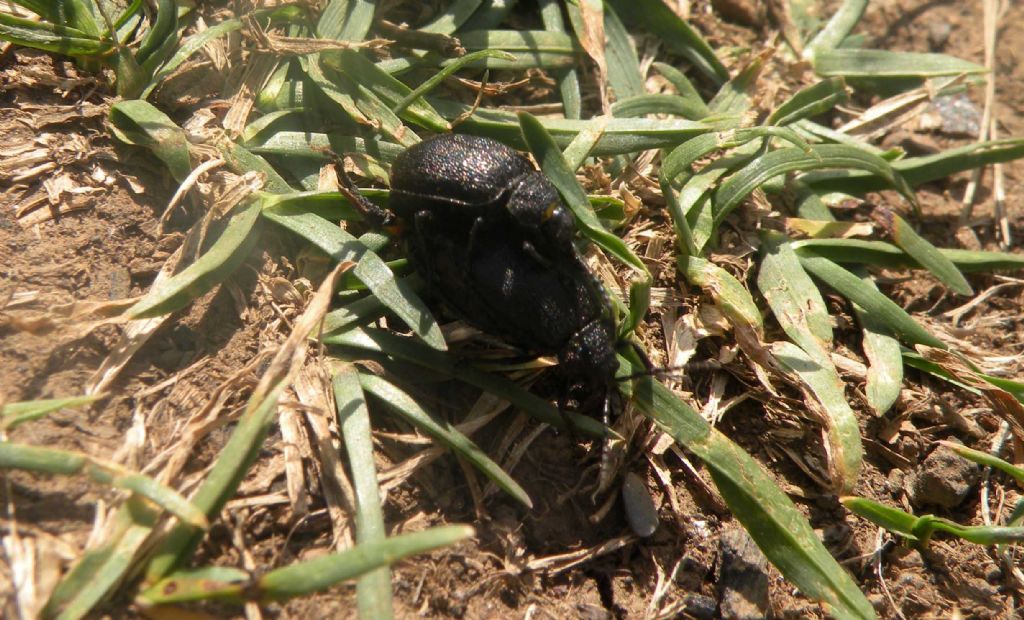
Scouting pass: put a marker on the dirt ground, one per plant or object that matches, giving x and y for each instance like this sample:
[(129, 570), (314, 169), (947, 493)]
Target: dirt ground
[(535, 564)]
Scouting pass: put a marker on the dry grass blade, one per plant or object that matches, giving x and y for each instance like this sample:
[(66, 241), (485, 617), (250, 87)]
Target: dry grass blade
[(1003, 403), (242, 447), (313, 389)]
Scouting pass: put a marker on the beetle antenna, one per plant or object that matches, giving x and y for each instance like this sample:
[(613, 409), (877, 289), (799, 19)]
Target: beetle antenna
[(377, 216)]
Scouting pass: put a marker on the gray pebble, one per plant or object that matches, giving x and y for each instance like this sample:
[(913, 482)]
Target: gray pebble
[(943, 479), (743, 577)]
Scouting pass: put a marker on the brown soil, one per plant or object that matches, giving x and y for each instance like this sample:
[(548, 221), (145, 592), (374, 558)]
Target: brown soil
[(108, 248)]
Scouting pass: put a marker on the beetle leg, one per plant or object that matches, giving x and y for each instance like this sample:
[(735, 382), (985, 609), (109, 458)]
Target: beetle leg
[(420, 223), (563, 405), (530, 249), (377, 216)]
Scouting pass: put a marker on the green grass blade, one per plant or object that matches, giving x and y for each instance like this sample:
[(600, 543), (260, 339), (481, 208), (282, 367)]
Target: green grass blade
[(793, 297), (856, 251), (13, 414), (729, 293), (276, 88), (694, 200), (656, 17), (370, 269), (642, 105), (921, 528), (435, 80), (684, 87), (783, 161), (676, 165), (915, 360), (232, 586), (892, 519), (819, 133), (373, 591), (67, 463), (620, 135), (48, 37), (821, 378), (312, 145), (624, 74), (346, 20), (876, 64), (81, 14), (975, 261), (164, 26), (375, 341), (554, 166), (100, 570), (340, 96), (388, 88), (241, 161), (733, 98), (206, 583), (568, 82), (454, 16), (403, 405), (809, 204), (320, 573), (919, 170), (361, 105), (138, 122), (811, 101), (579, 149), (984, 458), (926, 254), (885, 359), (838, 28), (775, 524), (528, 48), (360, 312), (196, 42), (47, 9), (329, 205), (883, 309), (224, 256)]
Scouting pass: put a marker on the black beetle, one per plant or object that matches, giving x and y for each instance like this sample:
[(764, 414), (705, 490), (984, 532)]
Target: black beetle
[(491, 235)]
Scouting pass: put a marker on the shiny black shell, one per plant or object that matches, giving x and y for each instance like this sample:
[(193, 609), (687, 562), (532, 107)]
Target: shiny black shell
[(491, 236)]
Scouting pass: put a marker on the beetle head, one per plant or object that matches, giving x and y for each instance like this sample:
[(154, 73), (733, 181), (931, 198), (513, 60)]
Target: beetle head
[(535, 205)]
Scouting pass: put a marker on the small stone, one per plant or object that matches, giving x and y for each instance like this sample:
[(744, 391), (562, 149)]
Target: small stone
[(743, 577), (943, 479), (592, 612), (907, 558), (641, 513), (958, 115), (938, 35), (699, 606), (120, 283), (994, 574), (895, 481)]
